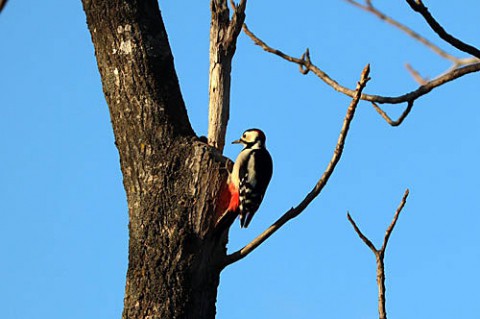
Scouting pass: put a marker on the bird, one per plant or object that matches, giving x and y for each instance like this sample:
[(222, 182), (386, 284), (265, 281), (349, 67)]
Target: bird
[(250, 175)]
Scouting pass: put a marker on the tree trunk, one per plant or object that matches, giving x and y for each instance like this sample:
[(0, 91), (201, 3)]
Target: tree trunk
[(171, 178)]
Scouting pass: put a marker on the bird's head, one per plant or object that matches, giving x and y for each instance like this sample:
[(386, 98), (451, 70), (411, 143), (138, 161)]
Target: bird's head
[(253, 137)]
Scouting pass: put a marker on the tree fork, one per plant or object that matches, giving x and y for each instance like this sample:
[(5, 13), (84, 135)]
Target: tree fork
[(170, 177)]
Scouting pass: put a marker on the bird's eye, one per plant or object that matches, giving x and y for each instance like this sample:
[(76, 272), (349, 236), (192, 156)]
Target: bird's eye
[(244, 135)]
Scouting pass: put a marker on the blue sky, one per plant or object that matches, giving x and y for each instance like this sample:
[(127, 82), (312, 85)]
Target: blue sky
[(63, 235)]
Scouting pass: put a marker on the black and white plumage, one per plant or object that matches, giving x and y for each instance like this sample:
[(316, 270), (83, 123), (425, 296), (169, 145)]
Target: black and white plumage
[(250, 175)]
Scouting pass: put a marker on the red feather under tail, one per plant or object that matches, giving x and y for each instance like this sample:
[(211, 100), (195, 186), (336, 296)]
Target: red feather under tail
[(227, 206)]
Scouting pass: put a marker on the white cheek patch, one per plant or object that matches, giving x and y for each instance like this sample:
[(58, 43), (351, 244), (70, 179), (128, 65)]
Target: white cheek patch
[(249, 137)]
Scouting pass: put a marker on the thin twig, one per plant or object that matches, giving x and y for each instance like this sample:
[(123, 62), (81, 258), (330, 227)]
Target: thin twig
[(361, 235), (410, 96), (394, 221), (369, 7), (457, 62), (380, 254), (416, 75), (294, 212), (402, 117), (418, 6)]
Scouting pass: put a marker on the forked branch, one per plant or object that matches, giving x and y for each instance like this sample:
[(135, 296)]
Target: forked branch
[(370, 8), (306, 64), (460, 67), (418, 6), (294, 212), (380, 254)]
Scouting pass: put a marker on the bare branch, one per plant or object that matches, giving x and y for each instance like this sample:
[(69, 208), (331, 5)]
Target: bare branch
[(368, 7), (370, 245), (380, 255), (267, 48), (236, 22), (394, 221), (457, 62), (416, 75), (410, 96), (361, 235), (400, 119), (418, 6), (223, 38), (423, 89), (294, 212)]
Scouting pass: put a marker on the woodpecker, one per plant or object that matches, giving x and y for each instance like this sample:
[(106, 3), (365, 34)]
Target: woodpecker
[(250, 175)]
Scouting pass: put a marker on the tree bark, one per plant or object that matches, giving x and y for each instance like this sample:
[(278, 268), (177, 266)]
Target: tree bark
[(171, 178), (223, 41), (219, 75)]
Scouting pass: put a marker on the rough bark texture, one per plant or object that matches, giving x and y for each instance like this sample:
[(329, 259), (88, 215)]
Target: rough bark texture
[(170, 177), (223, 38), (219, 76), (382, 311)]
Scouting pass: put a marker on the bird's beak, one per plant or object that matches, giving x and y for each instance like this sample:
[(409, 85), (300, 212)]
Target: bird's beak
[(237, 142)]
